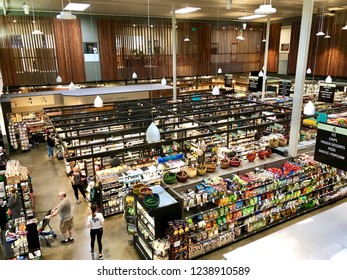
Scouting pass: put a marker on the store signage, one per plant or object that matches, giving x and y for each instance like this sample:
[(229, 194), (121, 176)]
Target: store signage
[(228, 80), (284, 87), (253, 83), (331, 145), (326, 92)]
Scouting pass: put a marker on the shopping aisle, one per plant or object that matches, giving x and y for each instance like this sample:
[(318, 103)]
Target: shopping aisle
[(49, 177), (310, 233)]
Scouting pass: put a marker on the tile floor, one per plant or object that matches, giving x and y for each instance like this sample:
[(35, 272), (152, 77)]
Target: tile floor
[(49, 178)]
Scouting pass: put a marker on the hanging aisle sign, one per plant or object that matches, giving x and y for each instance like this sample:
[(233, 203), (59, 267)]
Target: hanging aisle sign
[(284, 87), (331, 145), (326, 92), (228, 80), (253, 83)]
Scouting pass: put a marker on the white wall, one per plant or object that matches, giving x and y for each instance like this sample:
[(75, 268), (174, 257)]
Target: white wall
[(283, 54)]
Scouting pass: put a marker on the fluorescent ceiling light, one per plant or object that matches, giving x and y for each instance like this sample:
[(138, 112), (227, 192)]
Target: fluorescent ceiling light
[(187, 10), (76, 7), (252, 17)]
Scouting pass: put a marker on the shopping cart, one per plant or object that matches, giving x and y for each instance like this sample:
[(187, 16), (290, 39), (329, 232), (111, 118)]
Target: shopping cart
[(44, 233), (59, 151)]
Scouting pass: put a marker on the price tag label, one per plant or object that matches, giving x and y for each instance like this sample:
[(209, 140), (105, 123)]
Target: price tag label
[(177, 243)]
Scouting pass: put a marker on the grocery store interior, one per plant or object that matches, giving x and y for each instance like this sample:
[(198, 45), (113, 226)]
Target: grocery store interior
[(213, 133)]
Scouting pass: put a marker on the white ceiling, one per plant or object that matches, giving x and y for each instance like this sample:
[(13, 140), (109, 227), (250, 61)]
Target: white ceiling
[(210, 9)]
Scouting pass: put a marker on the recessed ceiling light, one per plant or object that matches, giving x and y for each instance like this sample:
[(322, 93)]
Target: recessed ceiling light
[(76, 7), (252, 17), (187, 10)]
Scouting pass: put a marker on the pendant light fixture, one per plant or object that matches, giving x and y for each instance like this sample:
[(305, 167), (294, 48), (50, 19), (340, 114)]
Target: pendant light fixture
[(26, 8), (328, 79), (321, 22), (134, 76), (215, 90), (72, 86), (261, 73), (35, 31), (309, 109), (345, 27), (220, 71), (308, 71), (98, 102), (163, 81), (59, 79), (152, 132), (265, 9)]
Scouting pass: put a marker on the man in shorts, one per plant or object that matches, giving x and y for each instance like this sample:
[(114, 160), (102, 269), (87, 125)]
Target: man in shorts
[(66, 218)]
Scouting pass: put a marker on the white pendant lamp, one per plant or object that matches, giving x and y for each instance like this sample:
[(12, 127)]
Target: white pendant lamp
[(328, 80), (134, 75), (152, 133), (72, 86), (320, 33), (59, 79), (260, 74), (265, 9), (26, 8), (98, 103), (186, 39), (215, 90), (163, 81), (345, 27), (308, 71), (220, 70), (309, 109)]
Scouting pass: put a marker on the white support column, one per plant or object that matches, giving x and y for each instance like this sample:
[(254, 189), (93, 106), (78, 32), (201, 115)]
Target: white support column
[(263, 88), (174, 76), (304, 40)]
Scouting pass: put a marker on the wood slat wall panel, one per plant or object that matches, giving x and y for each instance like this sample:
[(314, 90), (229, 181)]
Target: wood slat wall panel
[(69, 48), (293, 51), (274, 45), (326, 56), (21, 58), (107, 49)]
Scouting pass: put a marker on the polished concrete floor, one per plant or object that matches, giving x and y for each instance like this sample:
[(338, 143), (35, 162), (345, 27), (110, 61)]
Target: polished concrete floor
[(49, 177)]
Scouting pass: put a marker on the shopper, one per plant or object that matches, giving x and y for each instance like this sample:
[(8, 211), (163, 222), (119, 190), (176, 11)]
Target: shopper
[(14, 203), (77, 182), (50, 145), (95, 222), (66, 218)]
